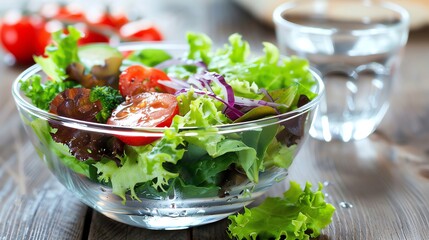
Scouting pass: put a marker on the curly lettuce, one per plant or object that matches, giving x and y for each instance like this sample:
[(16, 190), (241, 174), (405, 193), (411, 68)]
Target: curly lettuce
[(60, 54), (270, 71), (43, 131), (300, 214), (42, 94), (142, 164)]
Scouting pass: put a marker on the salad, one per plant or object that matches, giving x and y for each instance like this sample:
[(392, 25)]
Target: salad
[(198, 125), (204, 90)]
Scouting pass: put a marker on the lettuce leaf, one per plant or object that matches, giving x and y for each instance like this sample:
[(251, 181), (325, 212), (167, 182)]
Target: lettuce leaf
[(300, 214), (142, 164), (148, 57), (201, 112), (41, 95), (60, 54), (42, 130), (199, 47), (270, 71)]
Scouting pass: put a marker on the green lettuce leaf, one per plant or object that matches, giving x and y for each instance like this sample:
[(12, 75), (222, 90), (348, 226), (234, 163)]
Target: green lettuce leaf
[(270, 71), (148, 57), (142, 164), (300, 214), (199, 47), (201, 112), (41, 95), (60, 54), (42, 130)]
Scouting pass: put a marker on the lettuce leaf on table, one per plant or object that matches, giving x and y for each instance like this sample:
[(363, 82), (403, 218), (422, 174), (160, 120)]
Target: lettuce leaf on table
[(300, 214)]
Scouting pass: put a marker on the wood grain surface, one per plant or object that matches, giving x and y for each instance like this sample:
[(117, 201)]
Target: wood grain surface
[(379, 185)]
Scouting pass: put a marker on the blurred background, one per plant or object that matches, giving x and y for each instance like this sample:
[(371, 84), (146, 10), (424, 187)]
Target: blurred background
[(26, 25)]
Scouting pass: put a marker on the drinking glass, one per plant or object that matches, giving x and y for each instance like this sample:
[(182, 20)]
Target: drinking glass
[(356, 47)]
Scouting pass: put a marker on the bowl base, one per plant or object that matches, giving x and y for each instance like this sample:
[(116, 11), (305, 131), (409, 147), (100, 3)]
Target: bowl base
[(164, 222)]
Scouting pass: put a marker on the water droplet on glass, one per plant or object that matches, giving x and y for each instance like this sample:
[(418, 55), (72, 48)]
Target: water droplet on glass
[(326, 195), (345, 205), (201, 211), (173, 205), (279, 179), (102, 189), (183, 213), (173, 214), (326, 183), (232, 198)]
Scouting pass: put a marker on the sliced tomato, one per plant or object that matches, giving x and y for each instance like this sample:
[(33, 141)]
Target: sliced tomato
[(148, 109), (137, 79)]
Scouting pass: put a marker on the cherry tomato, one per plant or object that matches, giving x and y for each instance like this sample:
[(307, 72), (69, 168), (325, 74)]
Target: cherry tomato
[(148, 109), (99, 18), (18, 33), (90, 36), (140, 31), (118, 19), (137, 79)]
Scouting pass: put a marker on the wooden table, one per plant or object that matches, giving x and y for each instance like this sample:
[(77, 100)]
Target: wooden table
[(380, 185)]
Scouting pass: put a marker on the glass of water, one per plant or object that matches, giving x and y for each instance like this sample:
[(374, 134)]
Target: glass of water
[(356, 47)]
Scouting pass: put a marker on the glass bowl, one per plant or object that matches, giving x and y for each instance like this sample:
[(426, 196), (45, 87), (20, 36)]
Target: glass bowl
[(175, 206)]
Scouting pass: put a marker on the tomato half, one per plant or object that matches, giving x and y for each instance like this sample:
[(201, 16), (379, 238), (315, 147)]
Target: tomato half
[(149, 109), (137, 79)]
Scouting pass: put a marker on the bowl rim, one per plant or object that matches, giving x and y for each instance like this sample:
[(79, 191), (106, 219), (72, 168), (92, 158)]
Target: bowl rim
[(157, 131), (281, 22)]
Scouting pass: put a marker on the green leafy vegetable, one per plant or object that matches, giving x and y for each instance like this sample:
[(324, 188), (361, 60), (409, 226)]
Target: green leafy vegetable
[(300, 214), (202, 112), (110, 98), (149, 57), (57, 150), (142, 164), (41, 95), (60, 54), (269, 71), (199, 47)]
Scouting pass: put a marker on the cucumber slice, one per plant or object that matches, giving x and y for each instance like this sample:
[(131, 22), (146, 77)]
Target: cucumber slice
[(95, 54)]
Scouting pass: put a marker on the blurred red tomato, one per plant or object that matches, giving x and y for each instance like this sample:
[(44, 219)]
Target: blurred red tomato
[(101, 16), (141, 30), (119, 19), (71, 12), (91, 34), (18, 34)]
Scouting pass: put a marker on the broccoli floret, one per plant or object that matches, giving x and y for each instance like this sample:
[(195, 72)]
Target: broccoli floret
[(109, 97)]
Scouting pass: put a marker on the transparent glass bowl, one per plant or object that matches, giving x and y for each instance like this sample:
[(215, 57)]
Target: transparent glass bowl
[(173, 209)]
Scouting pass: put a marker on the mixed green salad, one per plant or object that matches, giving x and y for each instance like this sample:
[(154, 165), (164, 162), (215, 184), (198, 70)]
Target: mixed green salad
[(205, 88)]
